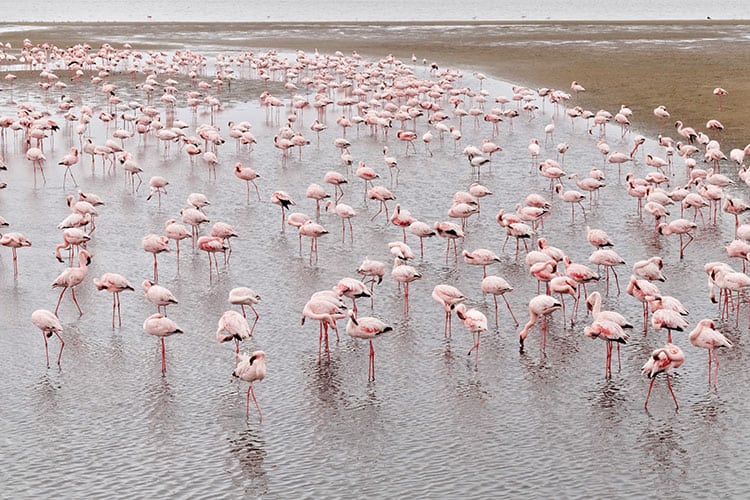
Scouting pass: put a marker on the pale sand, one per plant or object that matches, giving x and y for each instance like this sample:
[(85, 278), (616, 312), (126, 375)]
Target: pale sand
[(642, 65)]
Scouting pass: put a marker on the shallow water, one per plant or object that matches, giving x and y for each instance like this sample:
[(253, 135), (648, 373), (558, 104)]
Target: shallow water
[(527, 424)]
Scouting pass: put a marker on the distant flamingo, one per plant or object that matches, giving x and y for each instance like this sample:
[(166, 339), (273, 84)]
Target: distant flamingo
[(324, 310), (233, 326), (248, 175), (404, 274), (422, 230), (706, 337), (177, 232), (495, 285), (448, 296), (48, 323), (161, 326), (312, 230), (14, 241), (157, 185), (243, 296), (541, 305), (158, 295), (451, 232), (367, 328), (681, 227), (68, 161), (481, 257), (212, 245), (251, 368), (37, 159), (114, 283), (71, 277), (610, 332), (282, 199), (474, 321), (193, 218), (372, 269), (155, 244), (662, 360), (382, 194)]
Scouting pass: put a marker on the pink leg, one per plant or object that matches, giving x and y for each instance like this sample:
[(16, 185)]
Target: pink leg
[(250, 392), (163, 357), (509, 310), (650, 386), (46, 348), (60, 300), (371, 366), (62, 346), (669, 386)]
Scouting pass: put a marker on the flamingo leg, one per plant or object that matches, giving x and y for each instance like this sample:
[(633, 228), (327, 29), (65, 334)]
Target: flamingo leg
[(46, 348), (60, 300), (669, 386), (163, 357), (509, 309), (250, 392), (371, 364), (648, 395), (62, 346)]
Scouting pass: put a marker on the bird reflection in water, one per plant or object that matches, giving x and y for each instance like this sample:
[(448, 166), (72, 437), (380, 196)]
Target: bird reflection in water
[(250, 450), (663, 450)]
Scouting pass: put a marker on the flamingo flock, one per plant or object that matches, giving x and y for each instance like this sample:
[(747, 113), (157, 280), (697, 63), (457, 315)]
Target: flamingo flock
[(424, 105)]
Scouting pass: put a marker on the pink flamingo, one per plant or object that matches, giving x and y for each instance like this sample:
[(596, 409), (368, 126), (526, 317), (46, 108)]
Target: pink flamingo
[(662, 360), (326, 311), (681, 227), (495, 285), (318, 193), (243, 296), (71, 277), (367, 328), (421, 230), (541, 305), (451, 232), (706, 337), (233, 326), (448, 296), (251, 368), (155, 244), (313, 230), (14, 241), (404, 274), (68, 161), (161, 326), (158, 295), (610, 332), (282, 199), (481, 257), (37, 159), (474, 321), (382, 194), (212, 245), (113, 283), (248, 175), (177, 232), (72, 238), (48, 323)]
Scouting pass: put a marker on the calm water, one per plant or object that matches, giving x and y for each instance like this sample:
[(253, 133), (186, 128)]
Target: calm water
[(432, 425), (362, 10)]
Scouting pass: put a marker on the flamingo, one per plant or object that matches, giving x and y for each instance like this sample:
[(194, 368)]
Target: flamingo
[(37, 159), (541, 305), (313, 230), (158, 295), (71, 277), (233, 326), (662, 360), (68, 161), (367, 328), (404, 274), (243, 296), (114, 283), (610, 332), (48, 323), (706, 337), (157, 185), (609, 259), (476, 322), (251, 368), (212, 245), (282, 199), (422, 230), (495, 285), (451, 232), (14, 241), (248, 175), (177, 232), (481, 257), (382, 194), (448, 296), (681, 227), (161, 326), (372, 269), (155, 244), (326, 310)]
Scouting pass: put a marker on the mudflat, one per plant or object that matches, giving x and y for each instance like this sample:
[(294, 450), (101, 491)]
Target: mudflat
[(639, 64)]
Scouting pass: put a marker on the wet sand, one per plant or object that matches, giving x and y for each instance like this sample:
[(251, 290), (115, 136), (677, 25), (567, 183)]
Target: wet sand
[(641, 65)]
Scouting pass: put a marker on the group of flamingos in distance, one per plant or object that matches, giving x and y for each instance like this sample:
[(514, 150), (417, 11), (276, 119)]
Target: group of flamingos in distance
[(376, 96)]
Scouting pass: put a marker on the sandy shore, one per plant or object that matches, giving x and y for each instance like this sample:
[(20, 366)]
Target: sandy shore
[(642, 65)]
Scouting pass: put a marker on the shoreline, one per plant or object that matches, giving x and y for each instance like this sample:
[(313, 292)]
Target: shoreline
[(641, 64)]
